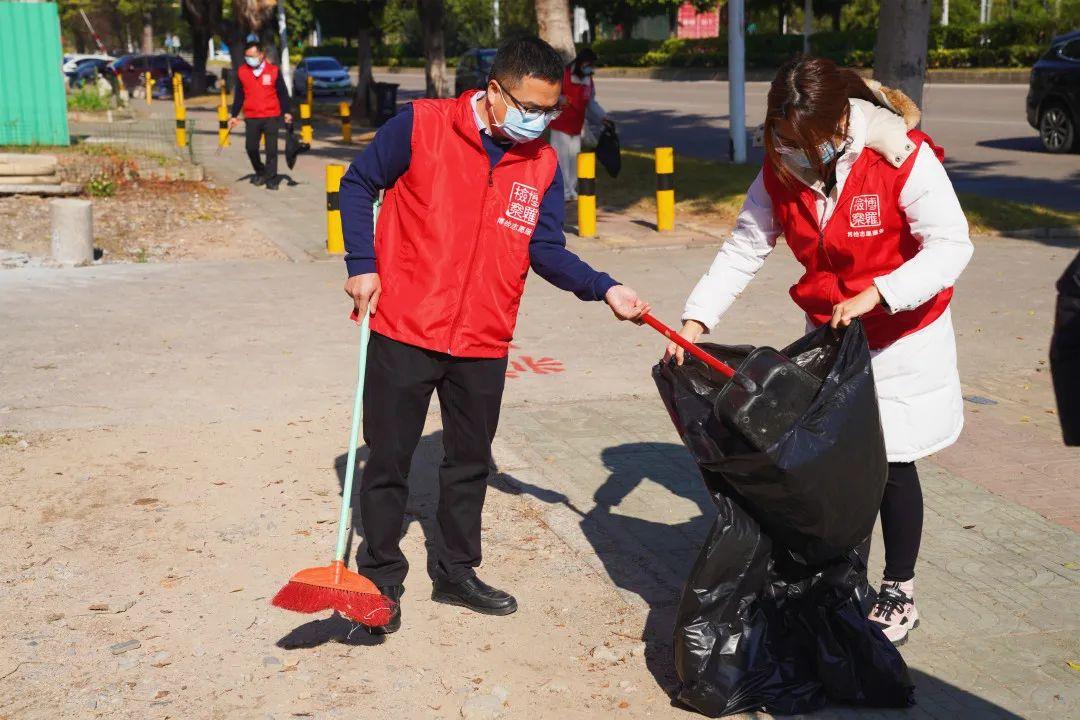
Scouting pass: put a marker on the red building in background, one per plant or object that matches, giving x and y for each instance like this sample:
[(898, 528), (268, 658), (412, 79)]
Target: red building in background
[(694, 24)]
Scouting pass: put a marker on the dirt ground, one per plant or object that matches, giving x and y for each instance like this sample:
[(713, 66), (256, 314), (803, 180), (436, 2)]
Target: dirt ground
[(144, 593), (142, 221)]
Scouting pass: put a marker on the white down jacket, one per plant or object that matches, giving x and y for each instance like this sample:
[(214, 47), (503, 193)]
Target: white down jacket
[(917, 381)]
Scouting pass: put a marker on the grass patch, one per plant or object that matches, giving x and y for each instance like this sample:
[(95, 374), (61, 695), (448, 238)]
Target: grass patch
[(986, 214), (702, 187), (87, 100), (713, 192)]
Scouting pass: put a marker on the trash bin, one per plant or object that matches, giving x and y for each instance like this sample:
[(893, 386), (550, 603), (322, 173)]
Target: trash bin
[(385, 101)]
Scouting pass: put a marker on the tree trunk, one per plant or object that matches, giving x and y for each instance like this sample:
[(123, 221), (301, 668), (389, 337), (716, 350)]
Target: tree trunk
[(837, 11), (900, 50), (361, 105), (781, 17), (553, 21), (432, 13), (148, 34), (202, 17)]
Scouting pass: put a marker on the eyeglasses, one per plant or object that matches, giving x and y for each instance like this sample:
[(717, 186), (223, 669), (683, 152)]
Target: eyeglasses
[(531, 113)]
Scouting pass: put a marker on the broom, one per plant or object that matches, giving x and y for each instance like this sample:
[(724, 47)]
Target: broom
[(334, 587)]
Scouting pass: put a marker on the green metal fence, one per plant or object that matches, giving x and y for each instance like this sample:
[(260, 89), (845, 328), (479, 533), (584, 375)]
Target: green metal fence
[(33, 102)]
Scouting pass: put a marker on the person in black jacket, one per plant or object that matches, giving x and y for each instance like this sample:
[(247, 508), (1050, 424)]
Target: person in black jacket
[(1065, 353)]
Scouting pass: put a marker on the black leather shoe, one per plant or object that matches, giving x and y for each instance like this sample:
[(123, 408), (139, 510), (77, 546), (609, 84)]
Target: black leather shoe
[(394, 592), (475, 594), (272, 183), (258, 180)]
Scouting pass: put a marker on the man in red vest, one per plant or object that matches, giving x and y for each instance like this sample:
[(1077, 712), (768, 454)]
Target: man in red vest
[(262, 95), (473, 201)]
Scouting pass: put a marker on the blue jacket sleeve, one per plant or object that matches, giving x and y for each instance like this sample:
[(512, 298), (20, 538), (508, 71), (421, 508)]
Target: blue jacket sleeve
[(376, 168), (549, 256)]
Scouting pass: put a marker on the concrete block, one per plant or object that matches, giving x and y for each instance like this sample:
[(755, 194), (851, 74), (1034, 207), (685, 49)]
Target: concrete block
[(72, 231), (27, 164)]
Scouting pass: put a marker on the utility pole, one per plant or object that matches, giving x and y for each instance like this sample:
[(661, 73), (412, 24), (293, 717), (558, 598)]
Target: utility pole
[(944, 13), (283, 32), (736, 81), (807, 25), (495, 17)]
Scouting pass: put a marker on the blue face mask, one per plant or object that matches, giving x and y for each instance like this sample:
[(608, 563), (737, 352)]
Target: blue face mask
[(521, 126), (827, 150), (252, 61), (587, 70)]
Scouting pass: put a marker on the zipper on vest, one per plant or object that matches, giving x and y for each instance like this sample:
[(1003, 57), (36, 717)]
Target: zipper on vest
[(472, 259)]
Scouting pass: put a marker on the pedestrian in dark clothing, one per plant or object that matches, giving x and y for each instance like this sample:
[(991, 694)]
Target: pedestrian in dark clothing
[(1065, 353), (474, 199), (263, 97)]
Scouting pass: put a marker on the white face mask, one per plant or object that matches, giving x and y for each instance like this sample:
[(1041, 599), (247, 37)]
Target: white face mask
[(253, 61)]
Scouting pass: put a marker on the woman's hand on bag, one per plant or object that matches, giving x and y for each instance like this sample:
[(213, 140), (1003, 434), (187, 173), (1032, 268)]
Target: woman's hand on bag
[(691, 330), (864, 302)]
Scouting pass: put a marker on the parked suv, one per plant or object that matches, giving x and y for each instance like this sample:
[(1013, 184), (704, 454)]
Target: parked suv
[(1053, 101)]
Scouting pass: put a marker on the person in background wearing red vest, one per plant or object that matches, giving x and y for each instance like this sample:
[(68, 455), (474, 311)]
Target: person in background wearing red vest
[(473, 199), (864, 203), (578, 105), (262, 95)]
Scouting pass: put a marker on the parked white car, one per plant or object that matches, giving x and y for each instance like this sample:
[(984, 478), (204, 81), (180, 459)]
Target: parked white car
[(71, 61)]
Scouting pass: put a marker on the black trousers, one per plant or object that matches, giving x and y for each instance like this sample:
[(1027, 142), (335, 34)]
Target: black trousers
[(397, 393), (901, 522), (255, 128)]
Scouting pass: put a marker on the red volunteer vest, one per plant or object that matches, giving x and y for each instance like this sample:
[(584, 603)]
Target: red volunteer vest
[(452, 240), (572, 118), (260, 93), (866, 237)]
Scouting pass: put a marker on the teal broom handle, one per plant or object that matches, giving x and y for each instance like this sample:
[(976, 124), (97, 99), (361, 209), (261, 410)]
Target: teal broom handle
[(357, 412), (354, 437)]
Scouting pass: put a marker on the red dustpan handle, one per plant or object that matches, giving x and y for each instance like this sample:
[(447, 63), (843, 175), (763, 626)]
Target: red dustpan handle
[(688, 346)]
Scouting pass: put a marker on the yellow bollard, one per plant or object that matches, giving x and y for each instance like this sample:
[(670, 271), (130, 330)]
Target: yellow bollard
[(346, 122), (181, 112), (310, 92), (586, 203), (665, 188), (305, 124), (223, 121), (149, 85), (223, 126), (335, 240)]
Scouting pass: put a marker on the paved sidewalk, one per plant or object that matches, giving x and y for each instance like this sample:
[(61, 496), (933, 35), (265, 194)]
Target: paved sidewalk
[(155, 384)]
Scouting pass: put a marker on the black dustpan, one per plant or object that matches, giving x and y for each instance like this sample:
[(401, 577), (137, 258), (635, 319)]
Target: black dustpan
[(767, 392)]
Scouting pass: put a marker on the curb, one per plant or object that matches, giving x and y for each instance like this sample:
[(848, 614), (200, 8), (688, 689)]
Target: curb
[(1053, 233)]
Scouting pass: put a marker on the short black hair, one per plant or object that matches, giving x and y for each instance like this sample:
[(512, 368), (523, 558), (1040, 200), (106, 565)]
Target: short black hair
[(527, 56), (585, 55), (253, 44)]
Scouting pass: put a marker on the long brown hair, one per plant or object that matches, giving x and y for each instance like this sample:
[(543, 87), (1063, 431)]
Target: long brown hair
[(810, 94)]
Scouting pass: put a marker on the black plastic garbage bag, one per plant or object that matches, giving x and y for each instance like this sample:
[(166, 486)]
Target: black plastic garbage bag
[(293, 145), (817, 483), (608, 151), (1065, 353), (773, 614), (751, 634)]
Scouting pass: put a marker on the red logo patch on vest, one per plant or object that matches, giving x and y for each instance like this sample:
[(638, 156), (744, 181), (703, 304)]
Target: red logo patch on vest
[(523, 210), (865, 216)]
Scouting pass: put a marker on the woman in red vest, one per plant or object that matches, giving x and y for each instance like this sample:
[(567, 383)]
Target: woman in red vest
[(578, 104), (865, 205)]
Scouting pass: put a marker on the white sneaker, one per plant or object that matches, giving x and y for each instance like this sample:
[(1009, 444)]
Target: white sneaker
[(894, 611)]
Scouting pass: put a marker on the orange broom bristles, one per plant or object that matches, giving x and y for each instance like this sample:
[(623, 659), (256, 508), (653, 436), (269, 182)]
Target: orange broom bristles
[(335, 588)]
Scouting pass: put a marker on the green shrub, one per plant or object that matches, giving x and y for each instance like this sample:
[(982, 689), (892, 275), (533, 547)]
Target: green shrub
[(101, 185), (86, 99)]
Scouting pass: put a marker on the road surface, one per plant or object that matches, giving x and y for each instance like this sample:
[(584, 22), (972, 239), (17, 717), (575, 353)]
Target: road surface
[(990, 148)]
